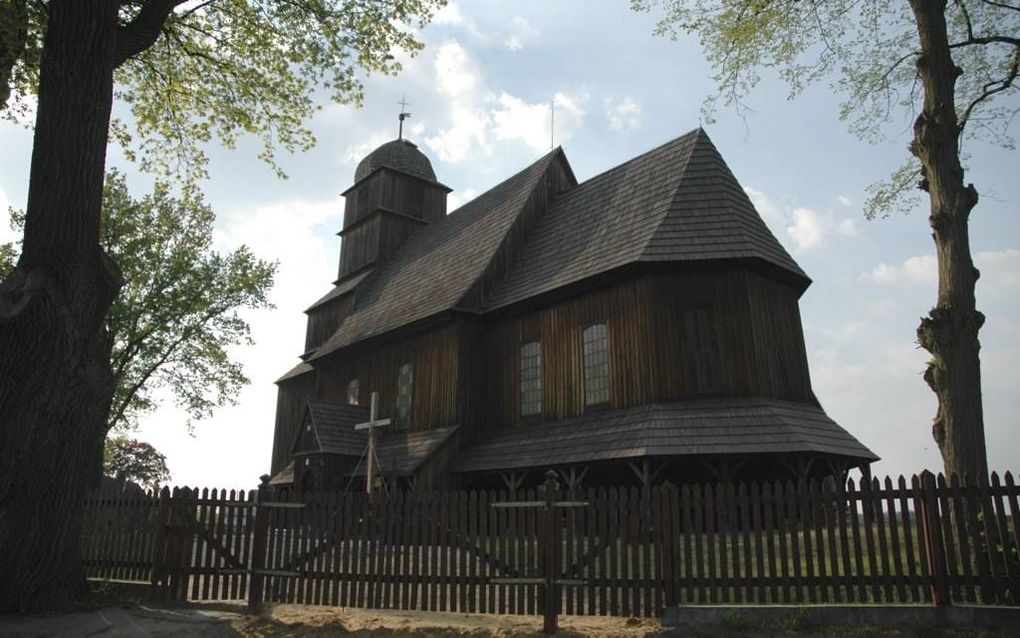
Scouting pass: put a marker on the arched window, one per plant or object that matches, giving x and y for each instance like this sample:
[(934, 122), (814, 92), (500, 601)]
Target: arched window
[(702, 350), (531, 378), (595, 346), (405, 382), (353, 388)]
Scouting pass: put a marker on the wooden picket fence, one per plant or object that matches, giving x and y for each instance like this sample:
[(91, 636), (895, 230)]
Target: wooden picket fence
[(616, 551)]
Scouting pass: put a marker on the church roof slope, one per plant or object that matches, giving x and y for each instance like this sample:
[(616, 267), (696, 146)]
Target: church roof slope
[(438, 263), (678, 202), (333, 425), (711, 426)]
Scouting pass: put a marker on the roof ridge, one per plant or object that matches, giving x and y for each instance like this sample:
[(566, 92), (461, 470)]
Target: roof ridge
[(697, 132)]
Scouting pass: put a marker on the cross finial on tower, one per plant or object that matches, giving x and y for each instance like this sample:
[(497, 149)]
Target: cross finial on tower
[(403, 115)]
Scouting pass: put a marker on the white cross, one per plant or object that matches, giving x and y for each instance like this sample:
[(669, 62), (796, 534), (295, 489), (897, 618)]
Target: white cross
[(370, 425)]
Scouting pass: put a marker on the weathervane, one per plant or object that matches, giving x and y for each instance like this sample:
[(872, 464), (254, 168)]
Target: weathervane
[(403, 115)]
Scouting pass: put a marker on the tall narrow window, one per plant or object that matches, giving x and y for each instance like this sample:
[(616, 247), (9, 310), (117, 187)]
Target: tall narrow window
[(702, 350), (595, 345), (531, 378), (353, 388), (405, 381)]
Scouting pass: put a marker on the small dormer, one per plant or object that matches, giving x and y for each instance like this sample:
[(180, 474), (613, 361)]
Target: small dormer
[(395, 191)]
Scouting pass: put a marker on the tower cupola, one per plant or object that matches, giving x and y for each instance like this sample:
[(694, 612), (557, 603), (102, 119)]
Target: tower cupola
[(395, 191)]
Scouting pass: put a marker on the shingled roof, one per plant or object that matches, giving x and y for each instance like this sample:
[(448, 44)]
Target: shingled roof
[(404, 452), (676, 203), (706, 427), (333, 427), (400, 155), (400, 452)]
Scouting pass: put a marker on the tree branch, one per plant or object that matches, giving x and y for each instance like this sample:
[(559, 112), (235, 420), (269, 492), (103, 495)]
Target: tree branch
[(1001, 5), (991, 88), (142, 32)]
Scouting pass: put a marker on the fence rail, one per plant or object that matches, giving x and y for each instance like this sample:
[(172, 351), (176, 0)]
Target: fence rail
[(615, 551)]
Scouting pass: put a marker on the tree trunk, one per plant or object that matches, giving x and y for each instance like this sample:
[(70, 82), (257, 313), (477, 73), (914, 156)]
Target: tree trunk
[(55, 380), (950, 331)]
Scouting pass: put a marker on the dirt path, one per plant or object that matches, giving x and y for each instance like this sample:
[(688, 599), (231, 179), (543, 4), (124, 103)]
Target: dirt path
[(297, 620)]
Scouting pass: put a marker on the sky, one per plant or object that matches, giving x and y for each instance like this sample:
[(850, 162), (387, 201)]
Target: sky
[(479, 95)]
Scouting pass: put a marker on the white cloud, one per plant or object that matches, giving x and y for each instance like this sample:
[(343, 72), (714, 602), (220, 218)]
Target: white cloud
[(477, 115), (456, 75), (806, 228), (521, 32), (844, 200), (456, 199), (449, 14), (847, 227), (623, 114), (921, 269), (1000, 271)]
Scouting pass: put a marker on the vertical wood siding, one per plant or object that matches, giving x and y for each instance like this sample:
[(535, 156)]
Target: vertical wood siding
[(760, 344), (434, 399)]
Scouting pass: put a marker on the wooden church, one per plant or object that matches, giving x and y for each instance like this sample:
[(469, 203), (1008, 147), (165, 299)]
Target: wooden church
[(637, 327)]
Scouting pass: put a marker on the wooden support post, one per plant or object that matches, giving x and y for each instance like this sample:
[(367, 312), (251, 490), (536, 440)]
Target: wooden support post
[(258, 549), (932, 526), (551, 544)]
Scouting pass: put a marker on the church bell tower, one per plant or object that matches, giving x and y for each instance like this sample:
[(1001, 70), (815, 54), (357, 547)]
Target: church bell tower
[(395, 192)]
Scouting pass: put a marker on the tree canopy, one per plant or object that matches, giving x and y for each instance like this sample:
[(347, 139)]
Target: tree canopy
[(194, 71), (178, 313), (136, 461)]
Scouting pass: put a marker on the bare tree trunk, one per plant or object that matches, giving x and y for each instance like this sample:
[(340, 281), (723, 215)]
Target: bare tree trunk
[(950, 331), (55, 378)]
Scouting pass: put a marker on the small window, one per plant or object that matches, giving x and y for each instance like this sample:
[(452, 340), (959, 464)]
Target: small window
[(531, 379), (702, 350), (595, 345), (353, 388), (405, 382)]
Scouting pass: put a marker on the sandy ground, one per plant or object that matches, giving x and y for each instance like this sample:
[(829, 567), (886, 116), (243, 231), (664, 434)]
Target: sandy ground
[(297, 620)]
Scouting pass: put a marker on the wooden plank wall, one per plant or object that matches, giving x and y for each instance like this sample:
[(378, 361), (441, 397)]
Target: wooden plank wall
[(647, 350), (434, 397), (780, 362), (628, 552), (325, 319)]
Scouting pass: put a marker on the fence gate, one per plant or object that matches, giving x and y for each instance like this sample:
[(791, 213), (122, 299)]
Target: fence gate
[(203, 544)]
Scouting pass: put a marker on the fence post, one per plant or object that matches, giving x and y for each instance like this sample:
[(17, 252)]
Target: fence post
[(550, 541), (258, 552), (158, 580), (932, 525)]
